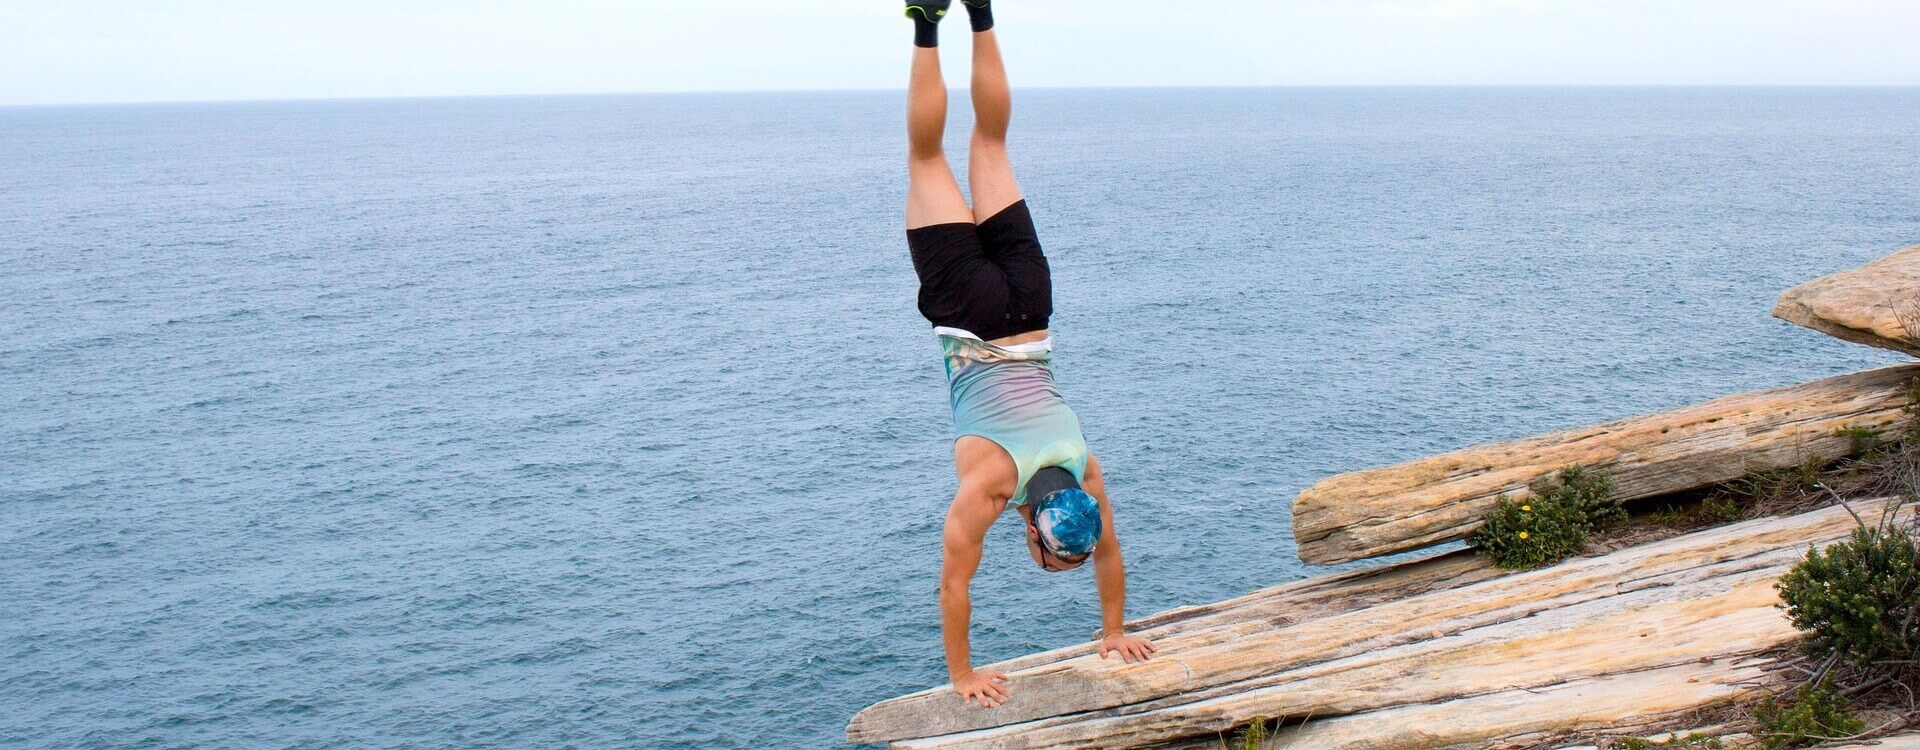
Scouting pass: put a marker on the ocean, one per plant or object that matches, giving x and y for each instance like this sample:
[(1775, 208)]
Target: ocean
[(609, 422)]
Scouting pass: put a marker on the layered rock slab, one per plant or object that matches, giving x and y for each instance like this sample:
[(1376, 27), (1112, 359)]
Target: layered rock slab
[(1898, 742), (1877, 305), (1515, 719), (1295, 601), (1644, 630), (1439, 499), (1707, 593)]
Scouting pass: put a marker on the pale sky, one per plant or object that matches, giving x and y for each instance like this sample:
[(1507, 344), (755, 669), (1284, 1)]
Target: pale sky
[(63, 51)]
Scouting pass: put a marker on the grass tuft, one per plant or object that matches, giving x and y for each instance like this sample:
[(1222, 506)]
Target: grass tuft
[(1722, 509), (1862, 441), (1695, 740), (1254, 736), (1775, 489)]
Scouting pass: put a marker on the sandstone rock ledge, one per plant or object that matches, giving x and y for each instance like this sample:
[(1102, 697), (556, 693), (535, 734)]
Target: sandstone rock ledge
[(1433, 500), (1877, 305), (1624, 639)]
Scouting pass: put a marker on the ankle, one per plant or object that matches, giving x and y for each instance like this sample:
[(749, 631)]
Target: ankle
[(926, 15), (980, 14)]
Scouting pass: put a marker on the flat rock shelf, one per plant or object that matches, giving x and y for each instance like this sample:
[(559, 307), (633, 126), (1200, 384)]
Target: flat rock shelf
[(1700, 606)]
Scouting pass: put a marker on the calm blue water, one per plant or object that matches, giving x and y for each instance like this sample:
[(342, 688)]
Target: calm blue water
[(608, 421)]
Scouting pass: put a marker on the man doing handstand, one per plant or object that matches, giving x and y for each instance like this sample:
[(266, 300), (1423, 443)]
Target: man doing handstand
[(985, 286)]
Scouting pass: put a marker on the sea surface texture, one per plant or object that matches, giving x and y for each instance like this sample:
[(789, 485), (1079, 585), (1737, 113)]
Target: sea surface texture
[(609, 422)]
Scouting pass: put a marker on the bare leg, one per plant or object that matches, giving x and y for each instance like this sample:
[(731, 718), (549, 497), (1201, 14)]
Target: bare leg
[(933, 197), (989, 169)]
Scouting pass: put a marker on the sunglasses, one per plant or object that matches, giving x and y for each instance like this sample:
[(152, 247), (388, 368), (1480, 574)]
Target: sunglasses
[(1045, 556)]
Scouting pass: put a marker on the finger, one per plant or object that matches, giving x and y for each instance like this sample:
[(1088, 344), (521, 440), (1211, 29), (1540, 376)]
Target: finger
[(997, 676), (1149, 645), (1104, 650)]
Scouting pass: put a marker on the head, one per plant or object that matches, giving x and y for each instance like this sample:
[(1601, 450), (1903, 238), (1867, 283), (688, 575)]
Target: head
[(1063, 521)]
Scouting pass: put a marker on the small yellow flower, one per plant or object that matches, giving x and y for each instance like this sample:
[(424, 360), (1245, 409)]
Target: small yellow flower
[(1523, 535), (1527, 508)]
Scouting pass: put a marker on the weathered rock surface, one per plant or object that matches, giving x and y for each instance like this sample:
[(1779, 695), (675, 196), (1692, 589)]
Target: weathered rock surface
[(1901, 742), (1668, 605), (1877, 304), (1635, 632), (1522, 718), (1296, 601), (1439, 499)]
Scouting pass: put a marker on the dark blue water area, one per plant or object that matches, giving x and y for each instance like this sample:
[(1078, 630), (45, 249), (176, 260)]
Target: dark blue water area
[(609, 421)]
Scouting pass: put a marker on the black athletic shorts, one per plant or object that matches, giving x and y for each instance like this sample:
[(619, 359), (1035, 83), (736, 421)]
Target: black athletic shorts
[(990, 279)]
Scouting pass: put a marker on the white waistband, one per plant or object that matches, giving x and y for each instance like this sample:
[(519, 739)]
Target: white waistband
[(1043, 345)]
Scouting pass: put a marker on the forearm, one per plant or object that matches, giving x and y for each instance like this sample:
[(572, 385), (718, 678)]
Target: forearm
[(956, 619), (1110, 574), (1112, 577), (967, 524)]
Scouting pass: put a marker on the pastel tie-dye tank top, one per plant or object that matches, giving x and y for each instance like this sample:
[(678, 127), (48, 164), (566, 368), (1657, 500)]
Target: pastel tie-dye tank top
[(1007, 395)]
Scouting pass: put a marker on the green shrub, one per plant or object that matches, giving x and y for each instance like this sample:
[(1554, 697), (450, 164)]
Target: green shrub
[(1857, 598), (1552, 523), (1695, 740), (1815, 713)]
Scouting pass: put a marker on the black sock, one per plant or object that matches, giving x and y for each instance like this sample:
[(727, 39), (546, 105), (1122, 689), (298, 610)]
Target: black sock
[(980, 14), (925, 33)]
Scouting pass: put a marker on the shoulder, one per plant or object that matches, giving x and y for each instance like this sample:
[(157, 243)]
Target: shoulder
[(985, 468)]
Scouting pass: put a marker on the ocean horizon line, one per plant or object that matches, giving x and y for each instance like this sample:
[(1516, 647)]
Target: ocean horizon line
[(901, 89)]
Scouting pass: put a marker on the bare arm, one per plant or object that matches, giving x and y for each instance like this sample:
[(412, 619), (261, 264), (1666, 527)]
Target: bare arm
[(1110, 575), (968, 519)]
